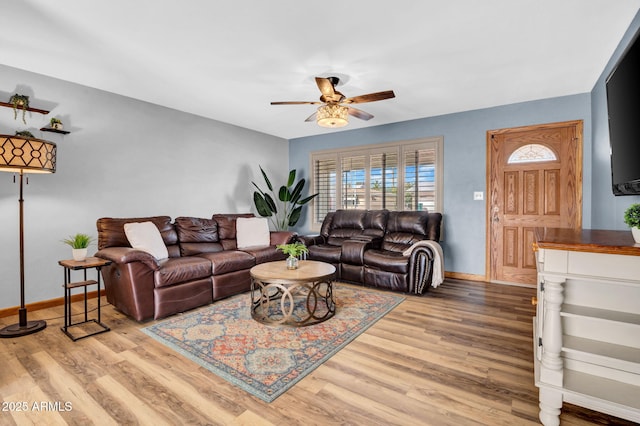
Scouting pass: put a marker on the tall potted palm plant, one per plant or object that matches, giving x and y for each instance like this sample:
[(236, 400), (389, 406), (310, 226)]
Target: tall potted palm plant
[(290, 201)]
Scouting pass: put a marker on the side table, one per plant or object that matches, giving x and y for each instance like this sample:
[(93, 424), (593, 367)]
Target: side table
[(83, 265)]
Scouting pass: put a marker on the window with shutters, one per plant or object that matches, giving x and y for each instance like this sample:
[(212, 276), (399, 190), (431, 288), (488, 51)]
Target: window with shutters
[(395, 176)]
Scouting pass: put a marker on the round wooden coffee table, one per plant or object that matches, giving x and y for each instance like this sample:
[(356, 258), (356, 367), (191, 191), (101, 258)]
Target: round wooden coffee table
[(295, 297)]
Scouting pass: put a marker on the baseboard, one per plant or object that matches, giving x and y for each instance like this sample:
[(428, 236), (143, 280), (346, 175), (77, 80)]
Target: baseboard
[(7, 312), (462, 276)]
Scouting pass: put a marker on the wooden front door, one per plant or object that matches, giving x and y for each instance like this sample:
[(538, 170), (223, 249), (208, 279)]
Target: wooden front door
[(535, 180)]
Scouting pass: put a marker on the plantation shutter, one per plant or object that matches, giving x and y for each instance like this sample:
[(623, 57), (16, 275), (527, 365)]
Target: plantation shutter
[(325, 186), (420, 179), (353, 185), (383, 178)]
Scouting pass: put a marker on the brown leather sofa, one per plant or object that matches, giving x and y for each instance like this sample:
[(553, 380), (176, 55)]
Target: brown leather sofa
[(379, 248), (204, 264)]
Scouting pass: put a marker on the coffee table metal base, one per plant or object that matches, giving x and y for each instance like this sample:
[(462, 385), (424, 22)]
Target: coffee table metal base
[(297, 305)]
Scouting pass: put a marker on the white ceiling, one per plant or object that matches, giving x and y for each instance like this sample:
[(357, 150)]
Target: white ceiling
[(228, 60)]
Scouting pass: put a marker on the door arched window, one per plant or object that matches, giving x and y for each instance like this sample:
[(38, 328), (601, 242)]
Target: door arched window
[(531, 153)]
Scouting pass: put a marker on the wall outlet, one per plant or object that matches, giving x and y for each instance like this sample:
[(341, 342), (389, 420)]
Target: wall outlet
[(478, 196)]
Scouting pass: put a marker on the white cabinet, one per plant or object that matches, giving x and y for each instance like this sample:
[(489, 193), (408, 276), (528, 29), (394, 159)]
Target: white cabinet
[(587, 324)]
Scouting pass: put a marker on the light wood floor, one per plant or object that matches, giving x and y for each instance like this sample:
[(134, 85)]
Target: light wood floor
[(460, 355)]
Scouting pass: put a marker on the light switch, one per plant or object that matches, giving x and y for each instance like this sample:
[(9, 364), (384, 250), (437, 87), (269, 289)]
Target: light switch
[(478, 196)]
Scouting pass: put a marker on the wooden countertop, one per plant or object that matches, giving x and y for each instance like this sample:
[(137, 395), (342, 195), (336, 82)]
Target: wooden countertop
[(590, 240)]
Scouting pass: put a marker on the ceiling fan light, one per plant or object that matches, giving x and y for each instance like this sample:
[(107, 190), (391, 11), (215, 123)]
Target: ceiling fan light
[(332, 116)]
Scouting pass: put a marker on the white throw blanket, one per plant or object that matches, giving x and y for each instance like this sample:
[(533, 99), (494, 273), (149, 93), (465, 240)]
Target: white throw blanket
[(438, 259)]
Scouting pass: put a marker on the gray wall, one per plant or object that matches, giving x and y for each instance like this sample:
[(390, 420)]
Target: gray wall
[(123, 158), (464, 164), (607, 209)]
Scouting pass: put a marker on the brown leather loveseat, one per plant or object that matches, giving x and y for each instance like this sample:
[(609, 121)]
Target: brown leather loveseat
[(204, 264), (393, 250)]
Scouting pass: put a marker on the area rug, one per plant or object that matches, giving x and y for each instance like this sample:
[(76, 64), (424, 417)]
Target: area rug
[(268, 360)]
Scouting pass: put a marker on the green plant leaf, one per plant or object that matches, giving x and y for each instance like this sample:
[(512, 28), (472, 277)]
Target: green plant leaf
[(632, 216), (261, 205), (284, 195), (306, 200), (297, 191), (266, 179), (258, 188), (78, 241), (292, 177), (271, 203), (295, 216)]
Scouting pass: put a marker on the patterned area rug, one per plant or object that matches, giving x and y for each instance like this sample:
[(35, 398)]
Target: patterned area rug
[(267, 360)]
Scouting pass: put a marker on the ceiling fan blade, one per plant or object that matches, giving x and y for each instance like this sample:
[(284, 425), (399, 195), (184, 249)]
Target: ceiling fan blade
[(371, 97), (358, 113), (296, 103), (312, 117)]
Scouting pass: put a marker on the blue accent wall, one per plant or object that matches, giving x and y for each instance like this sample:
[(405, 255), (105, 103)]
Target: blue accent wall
[(465, 161), (607, 209)]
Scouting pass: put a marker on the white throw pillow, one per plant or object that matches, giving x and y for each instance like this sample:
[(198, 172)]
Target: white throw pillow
[(252, 231), (145, 236)]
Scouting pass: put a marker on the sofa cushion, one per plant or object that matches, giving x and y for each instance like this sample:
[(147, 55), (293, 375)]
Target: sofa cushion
[(229, 261), (325, 253), (404, 229), (265, 254), (390, 261), (252, 232), (197, 235), (177, 270), (346, 224), (145, 236)]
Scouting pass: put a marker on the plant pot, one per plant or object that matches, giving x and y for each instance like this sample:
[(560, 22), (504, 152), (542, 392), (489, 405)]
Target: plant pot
[(79, 254), (57, 126), (635, 231), (292, 262)]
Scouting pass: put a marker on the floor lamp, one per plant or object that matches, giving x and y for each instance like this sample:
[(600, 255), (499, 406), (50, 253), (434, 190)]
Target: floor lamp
[(25, 155)]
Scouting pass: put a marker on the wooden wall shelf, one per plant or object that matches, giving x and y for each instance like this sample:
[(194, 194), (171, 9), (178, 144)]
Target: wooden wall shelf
[(51, 129), (40, 111)]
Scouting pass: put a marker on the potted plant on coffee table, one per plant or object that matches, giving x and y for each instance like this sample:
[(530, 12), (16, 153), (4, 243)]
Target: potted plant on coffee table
[(294, 251), (79, 244), (632, 218)]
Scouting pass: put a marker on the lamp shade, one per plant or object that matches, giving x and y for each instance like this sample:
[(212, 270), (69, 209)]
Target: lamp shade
[(27, 154), (332, 115)]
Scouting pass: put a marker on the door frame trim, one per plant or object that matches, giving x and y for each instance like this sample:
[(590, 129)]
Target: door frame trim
[(579, 126)]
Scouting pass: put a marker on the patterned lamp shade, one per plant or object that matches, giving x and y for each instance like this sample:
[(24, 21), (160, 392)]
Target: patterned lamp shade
[(27, 154), (332, 115)]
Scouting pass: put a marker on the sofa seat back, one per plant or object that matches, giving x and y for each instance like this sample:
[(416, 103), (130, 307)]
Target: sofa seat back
[(177, 270), (344, 225), (408, 227), (197, 235), (111, 232)]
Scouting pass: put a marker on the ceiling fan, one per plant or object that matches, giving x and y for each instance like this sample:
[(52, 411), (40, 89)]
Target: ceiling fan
[(335, 106)]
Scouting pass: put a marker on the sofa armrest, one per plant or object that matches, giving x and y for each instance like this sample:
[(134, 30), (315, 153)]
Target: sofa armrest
[(427, 265), (352, 252), (375, 242), (310, 240), (122, 255), (282, 237)]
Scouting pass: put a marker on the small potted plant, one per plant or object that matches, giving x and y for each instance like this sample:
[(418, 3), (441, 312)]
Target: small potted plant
[(25, 134), (632, 218), (56, 123), (79, 244), (294, 251), (22, 102)]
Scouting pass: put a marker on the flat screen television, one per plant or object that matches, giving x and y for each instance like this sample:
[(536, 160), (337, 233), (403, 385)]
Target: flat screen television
[(623, 104)]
